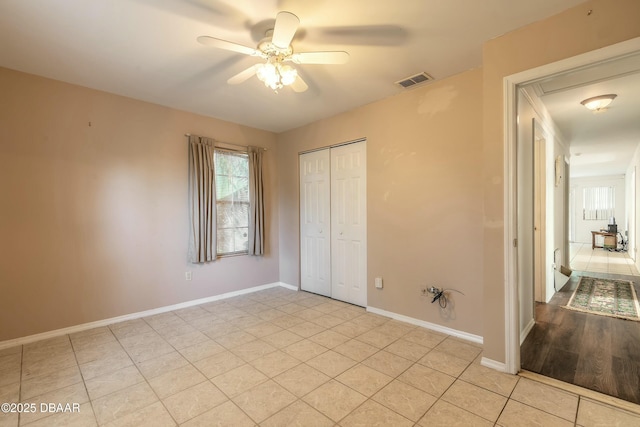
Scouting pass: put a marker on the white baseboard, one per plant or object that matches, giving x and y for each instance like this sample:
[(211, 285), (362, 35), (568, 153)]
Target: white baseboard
[(527, 329), (288, 286), (489, 363), (498, 366), (438, 328), (105, 322)]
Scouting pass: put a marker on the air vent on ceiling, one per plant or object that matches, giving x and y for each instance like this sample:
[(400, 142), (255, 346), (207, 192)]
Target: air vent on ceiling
[(414, 80)]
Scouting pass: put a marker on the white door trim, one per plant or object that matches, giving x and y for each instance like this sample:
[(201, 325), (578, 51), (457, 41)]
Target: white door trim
[(512, 338)]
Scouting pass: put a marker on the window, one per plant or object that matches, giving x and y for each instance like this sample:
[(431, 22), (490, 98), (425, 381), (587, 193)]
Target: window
[(598, 203), (232, 202)]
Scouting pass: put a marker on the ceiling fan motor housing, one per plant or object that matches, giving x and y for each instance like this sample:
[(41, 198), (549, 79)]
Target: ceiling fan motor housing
[(270, 50)]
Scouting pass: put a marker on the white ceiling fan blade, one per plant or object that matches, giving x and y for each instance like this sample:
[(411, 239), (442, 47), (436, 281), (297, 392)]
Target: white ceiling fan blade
[(227, 45), (244, 75), (284, 30), (338, 57), (299, 85)]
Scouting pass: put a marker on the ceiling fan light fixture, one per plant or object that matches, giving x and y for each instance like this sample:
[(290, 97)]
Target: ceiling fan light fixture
[(266, 73), (275, 75), (276, 49), (597, 103), (288, 75)]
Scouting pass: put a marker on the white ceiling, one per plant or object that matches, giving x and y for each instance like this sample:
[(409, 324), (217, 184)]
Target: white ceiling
[(601, 143), (147, 49)]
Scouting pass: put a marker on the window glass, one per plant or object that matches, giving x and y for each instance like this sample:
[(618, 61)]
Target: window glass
[(598, 203), (232, 202)]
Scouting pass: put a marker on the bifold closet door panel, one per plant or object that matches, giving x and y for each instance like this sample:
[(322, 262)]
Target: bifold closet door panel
[(315, 222), (349, 223)]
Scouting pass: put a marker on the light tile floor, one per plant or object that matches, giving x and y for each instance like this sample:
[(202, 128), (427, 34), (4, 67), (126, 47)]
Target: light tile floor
[(277, 358), (599, 260)]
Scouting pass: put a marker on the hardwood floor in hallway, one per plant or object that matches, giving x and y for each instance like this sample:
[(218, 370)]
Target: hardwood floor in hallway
[(596, 352)]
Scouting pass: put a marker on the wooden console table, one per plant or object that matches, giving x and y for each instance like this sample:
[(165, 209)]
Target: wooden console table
[(609, 239)]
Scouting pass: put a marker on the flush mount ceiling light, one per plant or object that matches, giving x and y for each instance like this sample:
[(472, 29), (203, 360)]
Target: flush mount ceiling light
[(597, 103)]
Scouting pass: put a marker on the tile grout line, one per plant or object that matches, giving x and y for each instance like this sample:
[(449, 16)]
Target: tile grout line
[(145, 378), (509, 399), (20, 386), (84, 384), (544, 410)]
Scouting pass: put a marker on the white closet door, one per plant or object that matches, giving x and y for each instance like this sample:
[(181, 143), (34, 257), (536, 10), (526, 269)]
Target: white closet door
[(349, 223), (315, 223)]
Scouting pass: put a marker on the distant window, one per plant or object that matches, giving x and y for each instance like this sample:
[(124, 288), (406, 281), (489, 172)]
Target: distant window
[(232, 202), (598, 203)]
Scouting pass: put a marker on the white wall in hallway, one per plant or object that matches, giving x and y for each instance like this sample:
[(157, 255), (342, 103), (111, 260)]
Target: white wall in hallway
[(585, 227)]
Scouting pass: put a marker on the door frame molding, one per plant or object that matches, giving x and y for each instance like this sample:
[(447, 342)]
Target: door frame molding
[(539, 215), (510, 85)]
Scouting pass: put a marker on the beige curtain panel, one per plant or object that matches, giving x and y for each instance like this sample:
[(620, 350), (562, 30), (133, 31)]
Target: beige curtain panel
[(256, 202), (202, 200)]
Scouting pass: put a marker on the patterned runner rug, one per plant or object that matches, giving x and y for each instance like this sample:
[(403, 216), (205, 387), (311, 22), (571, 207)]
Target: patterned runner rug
[(606, 297)]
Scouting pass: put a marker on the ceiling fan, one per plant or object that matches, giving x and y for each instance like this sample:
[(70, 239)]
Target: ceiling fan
[(276, 50)]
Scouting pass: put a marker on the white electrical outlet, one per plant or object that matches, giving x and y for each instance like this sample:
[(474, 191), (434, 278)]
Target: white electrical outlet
[(187, 275), (378, 282)]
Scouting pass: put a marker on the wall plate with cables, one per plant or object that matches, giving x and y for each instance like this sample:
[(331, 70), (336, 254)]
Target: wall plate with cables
[(439, 294)]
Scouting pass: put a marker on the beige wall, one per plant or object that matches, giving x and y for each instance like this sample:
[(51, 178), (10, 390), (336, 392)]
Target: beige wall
[(93, 218), (562, 36), (424, 196)]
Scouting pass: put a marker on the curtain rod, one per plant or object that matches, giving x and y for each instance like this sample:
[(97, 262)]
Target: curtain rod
[(233, 145)]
